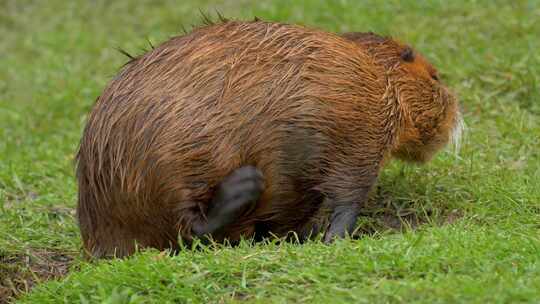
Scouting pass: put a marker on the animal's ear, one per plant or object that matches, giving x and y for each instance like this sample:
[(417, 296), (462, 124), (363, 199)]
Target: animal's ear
[(407, 54)]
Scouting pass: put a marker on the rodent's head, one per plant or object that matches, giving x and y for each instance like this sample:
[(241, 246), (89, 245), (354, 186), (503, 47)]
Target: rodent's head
[(429, 112)]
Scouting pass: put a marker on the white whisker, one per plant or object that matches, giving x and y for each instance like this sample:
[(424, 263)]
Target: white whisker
[(457, 133)]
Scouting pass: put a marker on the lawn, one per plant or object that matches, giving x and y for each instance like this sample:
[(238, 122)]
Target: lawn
[(463, 228)]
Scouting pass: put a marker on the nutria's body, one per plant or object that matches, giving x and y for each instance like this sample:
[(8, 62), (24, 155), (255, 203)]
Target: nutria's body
[(317, 114)]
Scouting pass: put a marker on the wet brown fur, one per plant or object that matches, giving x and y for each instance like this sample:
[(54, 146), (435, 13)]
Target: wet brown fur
[(317, 113)]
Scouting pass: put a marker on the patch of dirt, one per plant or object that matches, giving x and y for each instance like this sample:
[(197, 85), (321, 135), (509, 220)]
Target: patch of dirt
[(21, 272)]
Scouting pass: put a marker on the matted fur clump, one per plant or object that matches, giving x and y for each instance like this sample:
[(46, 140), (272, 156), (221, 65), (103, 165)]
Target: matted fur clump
[(248, 128)]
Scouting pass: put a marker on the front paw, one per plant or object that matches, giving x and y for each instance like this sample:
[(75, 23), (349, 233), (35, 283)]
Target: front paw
[(343, 223)]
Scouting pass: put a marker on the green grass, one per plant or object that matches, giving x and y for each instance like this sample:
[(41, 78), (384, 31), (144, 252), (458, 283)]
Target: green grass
[(477, 227)]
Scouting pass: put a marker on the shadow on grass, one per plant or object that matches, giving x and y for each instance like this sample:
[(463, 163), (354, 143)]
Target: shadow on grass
[(385, 212)]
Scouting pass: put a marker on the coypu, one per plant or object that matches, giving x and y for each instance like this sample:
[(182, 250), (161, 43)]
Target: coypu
[(245, 128)]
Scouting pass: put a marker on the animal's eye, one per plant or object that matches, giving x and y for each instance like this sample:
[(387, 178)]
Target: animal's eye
[(407, 55), (435, 77)]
